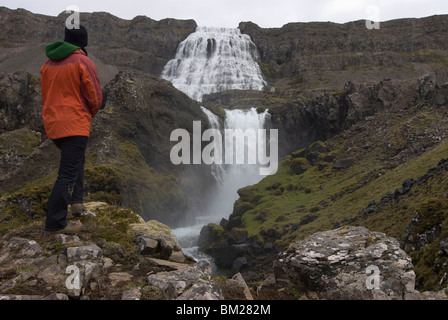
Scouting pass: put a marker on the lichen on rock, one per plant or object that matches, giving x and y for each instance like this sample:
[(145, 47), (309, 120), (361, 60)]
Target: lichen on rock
[(349, 263)]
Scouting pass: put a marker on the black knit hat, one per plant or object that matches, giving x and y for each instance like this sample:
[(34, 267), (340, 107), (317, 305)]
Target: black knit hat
[(78, 37)]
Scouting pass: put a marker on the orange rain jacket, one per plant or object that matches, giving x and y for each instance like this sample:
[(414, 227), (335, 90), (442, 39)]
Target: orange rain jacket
[(71, 91)]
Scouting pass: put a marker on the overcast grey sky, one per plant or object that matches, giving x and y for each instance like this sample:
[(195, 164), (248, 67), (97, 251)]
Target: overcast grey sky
[(228, 13)]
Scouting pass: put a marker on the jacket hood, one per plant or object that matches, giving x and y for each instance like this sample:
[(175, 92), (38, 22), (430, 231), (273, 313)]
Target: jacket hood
[(60, 50)]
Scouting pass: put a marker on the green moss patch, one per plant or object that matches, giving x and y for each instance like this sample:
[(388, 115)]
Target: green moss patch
[(111, 223), (21, 142)]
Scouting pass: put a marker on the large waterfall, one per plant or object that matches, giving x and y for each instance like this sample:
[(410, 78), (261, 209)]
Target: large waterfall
[(208, 61), (214, 60)]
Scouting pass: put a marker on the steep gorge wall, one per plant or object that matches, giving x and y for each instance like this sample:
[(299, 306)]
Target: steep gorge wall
[(325, 54)]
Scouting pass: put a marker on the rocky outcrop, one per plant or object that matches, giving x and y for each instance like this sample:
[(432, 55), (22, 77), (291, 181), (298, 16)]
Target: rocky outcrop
[(410, 242), (155, 238), (188, 283), (146, 109), (63, 267), (426, 227), (434, 86), (107, 260), (350, 263), (426, 240), (20, 102)]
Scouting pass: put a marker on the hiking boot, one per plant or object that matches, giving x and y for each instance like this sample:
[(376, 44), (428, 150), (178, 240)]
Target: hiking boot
[(77, 209), (72, 227)]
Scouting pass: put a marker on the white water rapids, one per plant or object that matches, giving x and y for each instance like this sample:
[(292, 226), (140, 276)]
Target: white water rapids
[(213, 60)]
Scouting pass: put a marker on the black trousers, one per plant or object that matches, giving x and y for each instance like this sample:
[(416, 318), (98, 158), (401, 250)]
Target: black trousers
[(68, 188)]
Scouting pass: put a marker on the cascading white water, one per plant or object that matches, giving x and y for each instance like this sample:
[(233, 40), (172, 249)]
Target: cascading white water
[(214, 60), (230, 177), (217, 170), (236, 176)]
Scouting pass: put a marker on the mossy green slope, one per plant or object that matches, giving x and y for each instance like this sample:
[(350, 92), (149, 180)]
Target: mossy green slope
[(332, 183)]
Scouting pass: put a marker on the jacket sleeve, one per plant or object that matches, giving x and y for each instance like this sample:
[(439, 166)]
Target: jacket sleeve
[(90, 87)]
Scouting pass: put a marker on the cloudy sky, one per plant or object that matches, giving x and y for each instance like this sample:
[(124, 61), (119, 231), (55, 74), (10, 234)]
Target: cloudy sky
[(228, 13)]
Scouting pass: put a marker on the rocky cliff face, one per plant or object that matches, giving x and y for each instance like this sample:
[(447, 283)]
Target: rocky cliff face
[(306, 116), (322, 55), (140, 43)]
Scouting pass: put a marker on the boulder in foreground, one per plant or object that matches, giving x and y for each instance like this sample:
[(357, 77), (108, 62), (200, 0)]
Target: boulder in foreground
[(350, 263)]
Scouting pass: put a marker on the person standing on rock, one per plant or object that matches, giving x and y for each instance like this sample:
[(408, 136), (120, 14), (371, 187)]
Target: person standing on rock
[(71, 97)]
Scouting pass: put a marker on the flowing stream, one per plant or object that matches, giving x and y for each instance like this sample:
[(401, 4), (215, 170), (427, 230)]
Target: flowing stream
[(213, 60)]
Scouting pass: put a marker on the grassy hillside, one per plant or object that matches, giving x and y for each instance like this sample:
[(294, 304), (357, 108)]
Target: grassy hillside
[(377, 174)]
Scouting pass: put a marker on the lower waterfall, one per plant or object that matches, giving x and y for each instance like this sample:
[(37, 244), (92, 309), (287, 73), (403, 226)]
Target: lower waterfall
[(229, 178)]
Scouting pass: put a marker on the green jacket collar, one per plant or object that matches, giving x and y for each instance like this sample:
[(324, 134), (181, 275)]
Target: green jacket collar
[(60, 50)]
